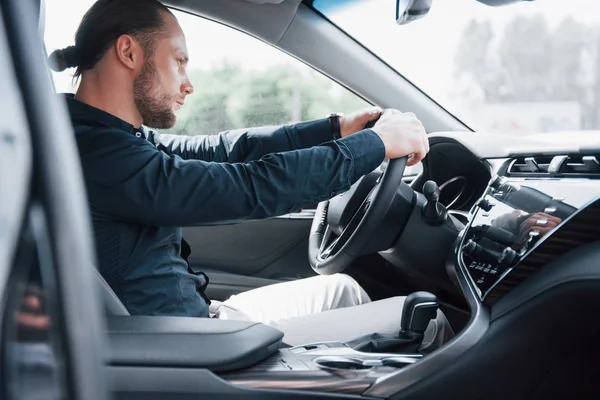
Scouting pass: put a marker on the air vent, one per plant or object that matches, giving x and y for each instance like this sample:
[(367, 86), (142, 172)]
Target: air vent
[(530, 165), (587, 166), (581, 165)]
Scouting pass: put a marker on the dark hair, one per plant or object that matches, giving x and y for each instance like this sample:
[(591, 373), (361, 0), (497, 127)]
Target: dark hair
[(102, 25)]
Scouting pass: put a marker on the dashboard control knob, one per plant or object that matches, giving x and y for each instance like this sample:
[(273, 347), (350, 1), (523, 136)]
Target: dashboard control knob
[(497, 182), (433, 212), (479, 253), (495, 234), (508, 257), (469, 247), (485, 205)]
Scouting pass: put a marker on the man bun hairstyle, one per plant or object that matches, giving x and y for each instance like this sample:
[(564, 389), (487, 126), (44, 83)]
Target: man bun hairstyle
[(102, 25), (60, 60)]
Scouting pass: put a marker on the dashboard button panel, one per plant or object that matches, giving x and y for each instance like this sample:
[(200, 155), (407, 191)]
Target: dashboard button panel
[(512, 218)]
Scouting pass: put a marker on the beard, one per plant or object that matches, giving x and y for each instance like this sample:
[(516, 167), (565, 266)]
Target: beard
[(153, 104)]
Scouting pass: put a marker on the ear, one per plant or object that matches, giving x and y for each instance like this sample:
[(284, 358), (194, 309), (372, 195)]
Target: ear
[(129, 52)]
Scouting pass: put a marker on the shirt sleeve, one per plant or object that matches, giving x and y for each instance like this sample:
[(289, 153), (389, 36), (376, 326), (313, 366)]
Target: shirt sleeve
[(243, 145), (131, 180)]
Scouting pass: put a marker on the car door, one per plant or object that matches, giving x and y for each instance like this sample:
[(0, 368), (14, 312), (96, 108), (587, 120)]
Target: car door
[(52, 336)]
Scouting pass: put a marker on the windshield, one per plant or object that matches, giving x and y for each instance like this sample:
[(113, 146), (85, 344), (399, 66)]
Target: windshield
[(527, 68)]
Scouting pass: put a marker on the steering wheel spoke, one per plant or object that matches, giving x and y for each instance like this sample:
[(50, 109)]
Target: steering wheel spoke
[(327, 248), (334, 243), (331, 249)]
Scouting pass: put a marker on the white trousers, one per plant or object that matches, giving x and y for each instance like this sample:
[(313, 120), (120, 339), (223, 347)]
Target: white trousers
[(324, 308)]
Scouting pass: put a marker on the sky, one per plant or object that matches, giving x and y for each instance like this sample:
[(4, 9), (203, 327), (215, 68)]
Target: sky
[(422, 51)]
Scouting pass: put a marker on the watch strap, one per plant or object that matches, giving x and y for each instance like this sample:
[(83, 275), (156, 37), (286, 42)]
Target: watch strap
[(334, 123)]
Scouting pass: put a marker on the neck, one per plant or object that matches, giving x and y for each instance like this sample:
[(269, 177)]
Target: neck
[(109, 95)]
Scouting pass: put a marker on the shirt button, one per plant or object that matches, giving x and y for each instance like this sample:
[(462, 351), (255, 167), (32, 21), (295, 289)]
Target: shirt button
[(138, 134)]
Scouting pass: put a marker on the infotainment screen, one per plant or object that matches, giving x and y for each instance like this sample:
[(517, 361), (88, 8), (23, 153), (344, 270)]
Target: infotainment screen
[(513, 216)]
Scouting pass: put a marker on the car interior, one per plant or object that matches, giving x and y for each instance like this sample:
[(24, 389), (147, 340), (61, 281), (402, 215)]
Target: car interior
[(523, 304)]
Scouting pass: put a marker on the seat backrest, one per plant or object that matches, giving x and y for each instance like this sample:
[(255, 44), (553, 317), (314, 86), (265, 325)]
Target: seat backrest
[(113, 304)]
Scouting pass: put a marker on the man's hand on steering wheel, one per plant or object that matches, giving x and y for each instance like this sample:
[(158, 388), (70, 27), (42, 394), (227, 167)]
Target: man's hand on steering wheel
[(345, 226), (402, 135)]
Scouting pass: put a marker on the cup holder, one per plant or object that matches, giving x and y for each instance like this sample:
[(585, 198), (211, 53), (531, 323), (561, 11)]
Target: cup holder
[(396, 362), (340, 363), (349, 363)]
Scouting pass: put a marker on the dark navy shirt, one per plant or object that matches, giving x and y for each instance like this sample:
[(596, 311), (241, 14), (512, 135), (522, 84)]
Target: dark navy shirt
[(143, 186)]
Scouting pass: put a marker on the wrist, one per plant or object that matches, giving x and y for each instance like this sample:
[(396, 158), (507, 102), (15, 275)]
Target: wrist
[(335, 123)]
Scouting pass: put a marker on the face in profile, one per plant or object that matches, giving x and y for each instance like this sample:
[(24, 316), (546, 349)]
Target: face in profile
[(162, 85)]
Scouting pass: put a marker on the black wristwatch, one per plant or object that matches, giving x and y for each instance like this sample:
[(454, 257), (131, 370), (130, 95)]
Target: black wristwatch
[(334, 123)]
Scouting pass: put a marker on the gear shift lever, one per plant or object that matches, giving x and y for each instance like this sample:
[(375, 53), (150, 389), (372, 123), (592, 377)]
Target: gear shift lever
[(419, 308)]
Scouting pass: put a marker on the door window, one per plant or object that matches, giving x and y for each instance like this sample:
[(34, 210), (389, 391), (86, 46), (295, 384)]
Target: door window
[(239, 81)]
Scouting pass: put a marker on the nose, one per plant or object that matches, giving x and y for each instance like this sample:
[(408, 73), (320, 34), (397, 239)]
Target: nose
[(188, 88)]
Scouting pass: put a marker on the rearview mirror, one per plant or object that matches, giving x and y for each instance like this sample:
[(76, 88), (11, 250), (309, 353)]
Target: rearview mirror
[(411, 10)]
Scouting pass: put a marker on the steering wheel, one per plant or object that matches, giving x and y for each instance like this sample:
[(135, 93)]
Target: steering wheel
[(344, 225)]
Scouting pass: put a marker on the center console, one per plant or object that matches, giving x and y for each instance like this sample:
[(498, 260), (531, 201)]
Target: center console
[(345, 367), (325, 367), (252, 355)]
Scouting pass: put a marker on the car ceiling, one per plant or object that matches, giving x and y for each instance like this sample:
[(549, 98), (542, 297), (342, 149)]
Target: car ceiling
[(266, 21)]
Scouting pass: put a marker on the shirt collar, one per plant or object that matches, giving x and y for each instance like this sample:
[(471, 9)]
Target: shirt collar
[(82, 113)]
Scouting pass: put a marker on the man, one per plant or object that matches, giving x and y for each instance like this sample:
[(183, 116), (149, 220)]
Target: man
[(142, 186)]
